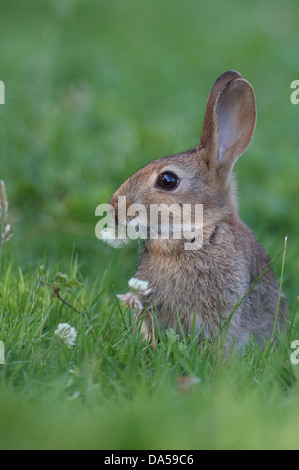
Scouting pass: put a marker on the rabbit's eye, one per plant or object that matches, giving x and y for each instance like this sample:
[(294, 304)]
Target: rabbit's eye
[(167, 180)]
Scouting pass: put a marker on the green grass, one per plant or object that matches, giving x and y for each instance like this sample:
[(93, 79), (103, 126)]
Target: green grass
[(114, 391), (95, 90)]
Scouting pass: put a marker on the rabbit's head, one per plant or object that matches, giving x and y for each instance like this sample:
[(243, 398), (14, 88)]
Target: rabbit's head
[(202, 175)]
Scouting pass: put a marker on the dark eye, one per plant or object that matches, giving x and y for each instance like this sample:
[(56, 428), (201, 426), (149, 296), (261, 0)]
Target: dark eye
[(167, 180)]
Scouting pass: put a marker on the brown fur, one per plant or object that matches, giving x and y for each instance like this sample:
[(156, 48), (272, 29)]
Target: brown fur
[(208, 282)]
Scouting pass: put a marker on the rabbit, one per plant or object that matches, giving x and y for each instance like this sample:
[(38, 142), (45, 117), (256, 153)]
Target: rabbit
[(201, 288)]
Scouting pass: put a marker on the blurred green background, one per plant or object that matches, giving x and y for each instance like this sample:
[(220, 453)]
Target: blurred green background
[(95, 89)]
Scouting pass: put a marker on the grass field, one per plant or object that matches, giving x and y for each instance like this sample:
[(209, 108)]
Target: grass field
[(93, 91)]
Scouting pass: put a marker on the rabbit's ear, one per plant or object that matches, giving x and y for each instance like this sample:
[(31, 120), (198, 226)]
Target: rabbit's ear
[(229, 120)]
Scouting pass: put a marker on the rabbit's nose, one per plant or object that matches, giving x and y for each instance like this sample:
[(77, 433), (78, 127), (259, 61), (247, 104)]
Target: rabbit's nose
[(114, 202)]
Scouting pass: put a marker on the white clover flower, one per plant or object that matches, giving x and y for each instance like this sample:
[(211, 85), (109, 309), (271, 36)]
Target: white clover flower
[(185, 383), (108, 236), (66, 333), (132, 299), (138, 286)]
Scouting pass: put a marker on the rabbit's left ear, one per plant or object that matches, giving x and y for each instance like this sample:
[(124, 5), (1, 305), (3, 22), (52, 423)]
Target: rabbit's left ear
[(229, 120)]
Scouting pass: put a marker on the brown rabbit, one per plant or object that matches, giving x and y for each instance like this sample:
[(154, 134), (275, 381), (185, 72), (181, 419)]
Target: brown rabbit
[(204, 285)]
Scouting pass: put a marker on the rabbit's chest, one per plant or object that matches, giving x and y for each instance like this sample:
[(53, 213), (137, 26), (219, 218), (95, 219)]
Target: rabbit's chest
[(188, 289)]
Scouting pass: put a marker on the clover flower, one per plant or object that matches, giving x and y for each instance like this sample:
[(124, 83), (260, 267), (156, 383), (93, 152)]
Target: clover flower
[(132, 299), (185, 383), (66, 333), (109, 236), (138, 286)]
